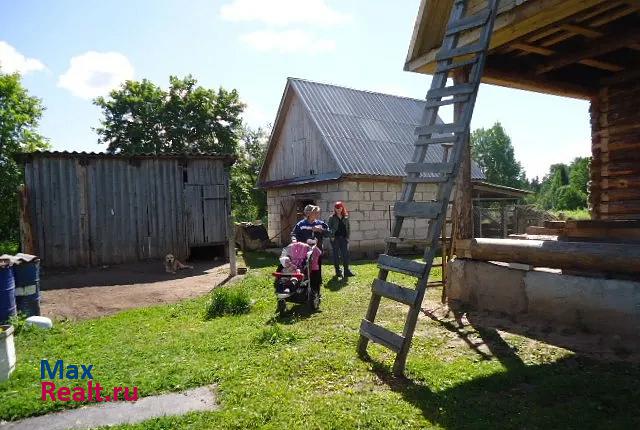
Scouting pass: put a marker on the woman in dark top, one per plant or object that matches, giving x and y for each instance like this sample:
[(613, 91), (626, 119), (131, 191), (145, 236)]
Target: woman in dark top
[(339, 232)]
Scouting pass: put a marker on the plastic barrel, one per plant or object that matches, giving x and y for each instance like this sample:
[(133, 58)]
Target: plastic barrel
[(7, 294), (27, 278)]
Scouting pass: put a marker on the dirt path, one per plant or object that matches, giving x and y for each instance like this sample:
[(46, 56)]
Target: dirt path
[(90, 293)]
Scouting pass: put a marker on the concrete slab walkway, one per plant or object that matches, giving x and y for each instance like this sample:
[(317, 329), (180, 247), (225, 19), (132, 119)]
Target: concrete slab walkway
[(104, 414)]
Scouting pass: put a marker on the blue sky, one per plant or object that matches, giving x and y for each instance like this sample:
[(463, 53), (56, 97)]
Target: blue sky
[(70, 51)]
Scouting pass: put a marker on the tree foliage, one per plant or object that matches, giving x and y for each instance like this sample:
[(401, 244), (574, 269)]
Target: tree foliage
[(493, 151), (565, 187), (19, 116), (141, 117), (248, 202)]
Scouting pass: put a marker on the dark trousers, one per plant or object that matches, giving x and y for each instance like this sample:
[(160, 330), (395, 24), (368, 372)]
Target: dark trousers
[(340, 246)]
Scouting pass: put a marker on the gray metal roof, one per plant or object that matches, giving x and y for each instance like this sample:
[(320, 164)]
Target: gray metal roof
[(367, 133)]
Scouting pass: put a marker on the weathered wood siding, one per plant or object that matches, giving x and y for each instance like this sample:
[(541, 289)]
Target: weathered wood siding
[(299, 149), (615, 168), (106, 210)]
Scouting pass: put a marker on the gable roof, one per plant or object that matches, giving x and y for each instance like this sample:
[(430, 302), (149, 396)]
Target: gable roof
[(367, 133)]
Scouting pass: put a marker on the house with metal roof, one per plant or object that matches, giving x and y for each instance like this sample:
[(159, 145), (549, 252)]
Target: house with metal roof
[(333, 143)]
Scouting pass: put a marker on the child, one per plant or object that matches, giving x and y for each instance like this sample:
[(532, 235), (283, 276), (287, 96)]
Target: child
[(288, 268)]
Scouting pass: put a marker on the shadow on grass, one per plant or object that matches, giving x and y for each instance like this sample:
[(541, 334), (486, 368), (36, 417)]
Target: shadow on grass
[(259, 260), (336, 284), (569, 393), (295, 312)]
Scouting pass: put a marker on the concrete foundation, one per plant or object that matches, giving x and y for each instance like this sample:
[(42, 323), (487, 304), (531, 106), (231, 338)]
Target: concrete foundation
[(604, 306)]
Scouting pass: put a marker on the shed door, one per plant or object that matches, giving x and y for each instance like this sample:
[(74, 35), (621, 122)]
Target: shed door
[(206, 207)]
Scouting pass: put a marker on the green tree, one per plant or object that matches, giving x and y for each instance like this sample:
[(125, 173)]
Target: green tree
[(493, 151), (19, 116), (249, 203), (141, 117), (579, 174)]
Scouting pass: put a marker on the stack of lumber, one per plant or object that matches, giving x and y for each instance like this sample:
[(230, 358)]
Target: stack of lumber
[(611, 231)]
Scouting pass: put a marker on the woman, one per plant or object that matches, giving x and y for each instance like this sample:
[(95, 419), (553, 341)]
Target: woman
[(339, 233), (311, 230)]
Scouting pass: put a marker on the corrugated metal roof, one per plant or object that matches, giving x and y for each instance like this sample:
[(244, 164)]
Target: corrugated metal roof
[(368, 133), (75, 154)]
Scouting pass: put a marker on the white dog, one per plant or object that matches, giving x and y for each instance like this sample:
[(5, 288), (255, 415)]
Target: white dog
[(171, 264)]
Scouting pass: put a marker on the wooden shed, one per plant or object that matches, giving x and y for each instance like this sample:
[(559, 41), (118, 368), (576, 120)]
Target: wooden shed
[(90, 209), (587, 49)]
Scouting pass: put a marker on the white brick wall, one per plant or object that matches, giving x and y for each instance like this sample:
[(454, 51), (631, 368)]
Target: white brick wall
[(368, 203)]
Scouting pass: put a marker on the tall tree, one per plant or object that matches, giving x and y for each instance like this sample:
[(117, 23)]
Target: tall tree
[(492, 149), (249, 202), (19, 116), (141, 117), (579, 174)]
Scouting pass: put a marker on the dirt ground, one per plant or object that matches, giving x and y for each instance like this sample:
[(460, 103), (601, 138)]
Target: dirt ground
[(90, 293)]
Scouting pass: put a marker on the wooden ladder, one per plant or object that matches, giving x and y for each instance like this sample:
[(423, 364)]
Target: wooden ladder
[(453, 139)]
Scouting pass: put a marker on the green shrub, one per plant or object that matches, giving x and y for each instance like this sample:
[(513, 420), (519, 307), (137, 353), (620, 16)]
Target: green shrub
[(275, 334), (228, 301)]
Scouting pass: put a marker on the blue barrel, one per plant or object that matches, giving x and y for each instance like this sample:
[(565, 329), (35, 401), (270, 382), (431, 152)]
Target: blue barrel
[(7, 294), (27, 277)]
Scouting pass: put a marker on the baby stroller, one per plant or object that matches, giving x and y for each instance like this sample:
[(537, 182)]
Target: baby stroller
[(295, 277)]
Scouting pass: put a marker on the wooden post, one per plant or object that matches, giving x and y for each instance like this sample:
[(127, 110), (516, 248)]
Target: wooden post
[(233, 266), (463, 191)]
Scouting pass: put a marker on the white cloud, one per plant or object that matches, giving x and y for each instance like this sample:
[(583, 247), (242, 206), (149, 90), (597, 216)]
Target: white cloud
[(12, 61), (288, 41), (94, 74), (255, 116), (283, 12)]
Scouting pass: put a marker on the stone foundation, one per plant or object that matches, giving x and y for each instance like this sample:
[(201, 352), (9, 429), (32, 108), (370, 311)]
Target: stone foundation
[(604, 306)]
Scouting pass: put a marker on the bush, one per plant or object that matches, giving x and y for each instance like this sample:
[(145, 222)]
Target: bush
[(275, 334), (228, 301), (568, 197)]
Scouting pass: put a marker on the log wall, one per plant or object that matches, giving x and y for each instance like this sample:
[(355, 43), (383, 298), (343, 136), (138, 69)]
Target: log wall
[(615, 167)]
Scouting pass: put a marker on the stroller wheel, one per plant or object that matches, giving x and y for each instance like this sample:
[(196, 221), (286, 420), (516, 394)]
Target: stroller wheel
[(282, 306), (314, 300)]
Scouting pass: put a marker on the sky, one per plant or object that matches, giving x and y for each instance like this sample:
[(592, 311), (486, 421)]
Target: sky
[(71, 51)]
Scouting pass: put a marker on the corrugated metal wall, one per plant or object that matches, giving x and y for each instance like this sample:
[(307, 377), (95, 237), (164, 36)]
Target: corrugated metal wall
[(109, 210)]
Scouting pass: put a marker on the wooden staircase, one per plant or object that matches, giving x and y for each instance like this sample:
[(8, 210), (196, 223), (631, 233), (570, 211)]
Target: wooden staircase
[(453, 138)]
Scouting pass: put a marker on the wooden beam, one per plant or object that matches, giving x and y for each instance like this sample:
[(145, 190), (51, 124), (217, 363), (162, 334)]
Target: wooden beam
[(624, 258), (584, 31), (529, 82), (595, 48), (513, 24), (603, 65), (621, 77)]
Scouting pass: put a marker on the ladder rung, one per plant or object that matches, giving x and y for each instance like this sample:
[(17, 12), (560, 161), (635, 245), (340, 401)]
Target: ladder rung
[(425, 210), (444, 66), (425, 180), (435, 140), (440, 129), (394, 292), (454, 90), (445, 102), (401, 265), (381, 335), (429, 168), (457, 52), (468, 22), (435, 284)]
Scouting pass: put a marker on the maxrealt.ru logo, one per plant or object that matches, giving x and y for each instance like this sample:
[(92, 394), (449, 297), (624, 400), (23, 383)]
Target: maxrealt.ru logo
[(92, 392)]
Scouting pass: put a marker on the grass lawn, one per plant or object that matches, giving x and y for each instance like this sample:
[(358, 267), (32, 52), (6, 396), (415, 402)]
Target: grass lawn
[(301, 371), (577, 214)]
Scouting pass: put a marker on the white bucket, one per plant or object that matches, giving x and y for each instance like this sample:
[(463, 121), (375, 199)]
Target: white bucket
[(7, 352)]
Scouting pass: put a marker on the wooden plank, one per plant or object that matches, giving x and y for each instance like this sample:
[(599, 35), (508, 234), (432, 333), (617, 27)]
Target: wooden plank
[(593, 49), (423, 210), (381, 336), (454, 90), (401, 265), (603, 65), (394, 292), (424, 179), (546, 231), (450, 139), (472, 48), (468, 22), (437, 103), (429, 168), (445, 66), (440, 129)]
